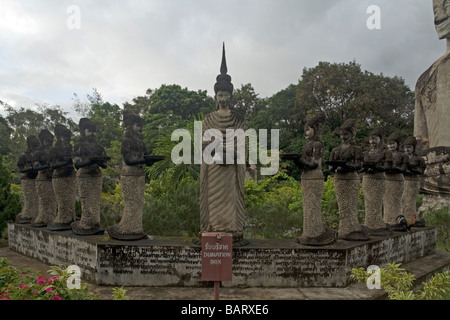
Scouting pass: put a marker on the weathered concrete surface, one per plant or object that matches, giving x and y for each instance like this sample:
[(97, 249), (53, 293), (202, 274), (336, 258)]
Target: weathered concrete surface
[(422, 268), (177, 262)]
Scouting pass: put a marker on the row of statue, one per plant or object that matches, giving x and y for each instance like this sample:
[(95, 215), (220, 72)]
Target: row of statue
[(50, 182), (390, 181), (52, 174)]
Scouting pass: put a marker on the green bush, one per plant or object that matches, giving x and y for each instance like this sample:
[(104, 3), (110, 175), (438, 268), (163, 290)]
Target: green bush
[(440, 218), (172, 209), (111, 206), (397, 283), (273, 207)]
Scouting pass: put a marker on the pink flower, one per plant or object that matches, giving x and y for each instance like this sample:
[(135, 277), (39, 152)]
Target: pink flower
[(48, 289), (34, 292), (53, 279), (5, 298), (41, 280), (56, 298), (23, 286)]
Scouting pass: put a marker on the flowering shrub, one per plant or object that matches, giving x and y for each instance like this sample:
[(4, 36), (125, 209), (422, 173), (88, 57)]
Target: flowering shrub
[(25, 284)]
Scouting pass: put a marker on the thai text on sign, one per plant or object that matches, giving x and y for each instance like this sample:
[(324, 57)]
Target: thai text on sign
[(217, 256)]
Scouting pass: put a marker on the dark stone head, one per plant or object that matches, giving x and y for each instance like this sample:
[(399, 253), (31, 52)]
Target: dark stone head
[(316, 123), (129, 119), (46, 138), (62, 132), (86, 123), (32, 143)]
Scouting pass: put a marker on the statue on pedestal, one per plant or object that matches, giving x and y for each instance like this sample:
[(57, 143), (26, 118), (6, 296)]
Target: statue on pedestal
[(346, 160), (222, 185), (88, 157), (432, 117), (315, 233), (64, 179), (28, 182), (374, 184), (135, 156), (44, 186), (398, 162), (415, 169)]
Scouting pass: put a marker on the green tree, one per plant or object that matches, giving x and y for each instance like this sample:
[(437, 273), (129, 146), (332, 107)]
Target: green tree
[(9, 202), (168, 108), (343, 91), (246, 101), (173, 100), (5, 136), (22, 122), (105, 115), (277, 112)]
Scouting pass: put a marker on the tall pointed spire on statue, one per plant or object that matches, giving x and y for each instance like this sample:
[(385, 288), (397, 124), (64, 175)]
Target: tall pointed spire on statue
[(223, 66), (223, 80)]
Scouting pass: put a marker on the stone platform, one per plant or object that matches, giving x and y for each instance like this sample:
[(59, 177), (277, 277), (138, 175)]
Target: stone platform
[(164, 261)]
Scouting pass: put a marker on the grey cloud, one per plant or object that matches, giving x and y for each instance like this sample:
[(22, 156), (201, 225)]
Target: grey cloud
[(126, 47)]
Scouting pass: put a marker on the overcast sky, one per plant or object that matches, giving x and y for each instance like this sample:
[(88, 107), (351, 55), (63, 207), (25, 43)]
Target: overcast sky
[(122, 48)]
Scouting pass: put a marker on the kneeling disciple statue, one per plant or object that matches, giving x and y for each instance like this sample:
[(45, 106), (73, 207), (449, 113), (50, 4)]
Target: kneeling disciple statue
[(64, 179), (28, 183), (221, 183), (315, 233), (346, 161), (374, 184), (88, 157), (44, 186), (132, 180), (395, 181)]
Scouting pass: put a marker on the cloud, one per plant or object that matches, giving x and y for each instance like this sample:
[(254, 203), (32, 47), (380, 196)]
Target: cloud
[(125, 47)]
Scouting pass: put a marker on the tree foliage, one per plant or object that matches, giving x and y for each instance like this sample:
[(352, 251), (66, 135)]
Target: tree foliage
[(343, 91), (9, 202), (172, 100)]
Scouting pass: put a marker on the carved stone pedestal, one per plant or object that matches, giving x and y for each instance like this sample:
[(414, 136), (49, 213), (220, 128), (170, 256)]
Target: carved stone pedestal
[(436, 181), (164, 261)]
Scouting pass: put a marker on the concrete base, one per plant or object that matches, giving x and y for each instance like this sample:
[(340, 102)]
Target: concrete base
[(177, 261)]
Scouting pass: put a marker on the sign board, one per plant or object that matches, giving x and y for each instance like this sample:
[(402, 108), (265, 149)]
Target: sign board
[(217, 256)]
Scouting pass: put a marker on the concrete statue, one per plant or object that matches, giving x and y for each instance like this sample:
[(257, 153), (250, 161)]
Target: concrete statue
[(346, 160), (63, 179), (315, 233), (44, 186), (28, 183), (88, 158), (414, 170), (395, 181), (135, 156), (374, 184), (222, 185), (432, 116)]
